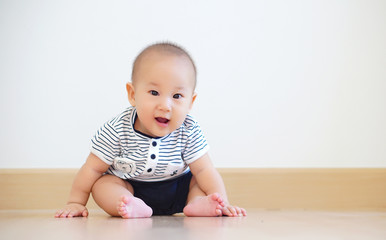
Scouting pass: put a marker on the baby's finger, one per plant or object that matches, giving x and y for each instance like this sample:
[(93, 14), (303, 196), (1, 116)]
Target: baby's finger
[(73, 213), (244, 212), (85, 213), (58, 213), (78, 213), (64, 213)]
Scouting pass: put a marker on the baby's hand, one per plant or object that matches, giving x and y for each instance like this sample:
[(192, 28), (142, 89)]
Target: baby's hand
[(233, 211), (72, 210)]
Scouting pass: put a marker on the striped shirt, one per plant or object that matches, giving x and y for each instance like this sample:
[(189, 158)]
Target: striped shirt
[(133, 155)]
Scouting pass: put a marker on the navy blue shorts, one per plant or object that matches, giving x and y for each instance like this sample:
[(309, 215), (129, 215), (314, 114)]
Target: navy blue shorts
[(164, 197)]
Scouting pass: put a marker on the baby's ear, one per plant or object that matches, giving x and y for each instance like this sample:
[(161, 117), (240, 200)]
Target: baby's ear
[(193, 99), (130, 93)]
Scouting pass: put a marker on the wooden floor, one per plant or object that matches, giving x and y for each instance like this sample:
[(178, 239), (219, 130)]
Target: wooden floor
[(311, 189), (321, 204), (259, 224)]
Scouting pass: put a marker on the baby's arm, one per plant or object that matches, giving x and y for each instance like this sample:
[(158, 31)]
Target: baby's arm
[(210, 181), (91, 171)]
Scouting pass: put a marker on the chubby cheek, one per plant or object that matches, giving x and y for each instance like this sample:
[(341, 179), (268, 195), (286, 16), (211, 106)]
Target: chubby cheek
[(145, 114), (180, 114), (145, 104)]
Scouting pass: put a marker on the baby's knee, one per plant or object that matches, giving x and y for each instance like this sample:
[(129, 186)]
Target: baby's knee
[(109, 181), (106, 179)]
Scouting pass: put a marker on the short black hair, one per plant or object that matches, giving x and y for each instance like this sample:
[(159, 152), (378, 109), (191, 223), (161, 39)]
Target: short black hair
[(167, 47)]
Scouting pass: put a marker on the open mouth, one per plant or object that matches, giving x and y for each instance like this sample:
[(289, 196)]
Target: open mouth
[(162, 120)]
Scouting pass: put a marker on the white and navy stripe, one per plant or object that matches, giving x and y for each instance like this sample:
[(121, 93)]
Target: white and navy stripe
[(156, 159)]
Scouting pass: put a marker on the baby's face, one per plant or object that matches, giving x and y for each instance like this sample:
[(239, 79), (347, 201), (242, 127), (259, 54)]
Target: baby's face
[(163, 93)]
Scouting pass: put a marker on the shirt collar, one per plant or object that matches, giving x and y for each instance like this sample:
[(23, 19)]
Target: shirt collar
[(142, 135)]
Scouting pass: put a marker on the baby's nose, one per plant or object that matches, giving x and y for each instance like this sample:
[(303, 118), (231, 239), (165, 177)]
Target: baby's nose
[(165, 104)]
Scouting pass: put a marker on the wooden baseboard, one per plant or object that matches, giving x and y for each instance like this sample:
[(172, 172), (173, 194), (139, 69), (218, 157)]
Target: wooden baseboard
[(308, 189)]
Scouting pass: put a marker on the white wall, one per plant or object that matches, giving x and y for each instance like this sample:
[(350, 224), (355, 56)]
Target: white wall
[(281, 83)]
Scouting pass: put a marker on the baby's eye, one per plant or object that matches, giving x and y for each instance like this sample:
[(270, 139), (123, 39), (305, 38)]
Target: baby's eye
[(154, 93), (177, 96)]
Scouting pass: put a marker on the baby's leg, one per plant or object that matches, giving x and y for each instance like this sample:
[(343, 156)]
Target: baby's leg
[(201, 205), (115, 196)]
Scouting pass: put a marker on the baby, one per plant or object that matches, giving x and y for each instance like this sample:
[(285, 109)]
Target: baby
[(152, 159)]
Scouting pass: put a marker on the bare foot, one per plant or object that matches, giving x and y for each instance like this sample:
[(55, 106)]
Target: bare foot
[(132, 207), (207, 206)]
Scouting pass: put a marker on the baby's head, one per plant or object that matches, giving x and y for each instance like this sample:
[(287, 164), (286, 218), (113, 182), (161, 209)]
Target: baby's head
[(162, 88), (164, 48)]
